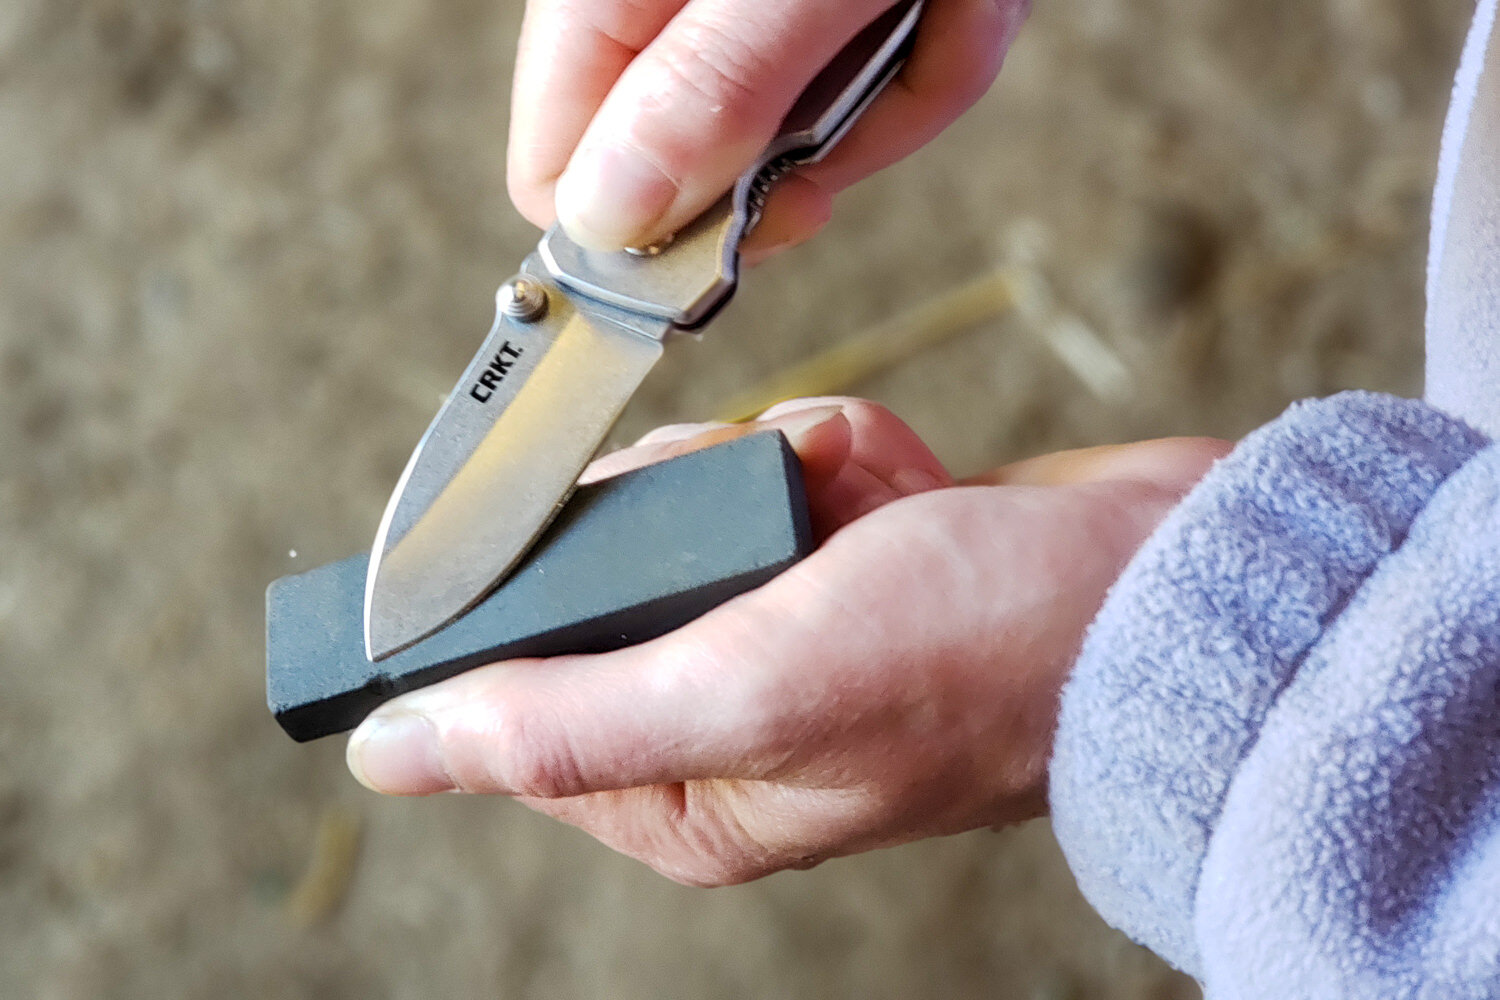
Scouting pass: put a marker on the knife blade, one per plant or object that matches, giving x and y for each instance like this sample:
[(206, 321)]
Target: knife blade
[(499, 460), (574, 336)]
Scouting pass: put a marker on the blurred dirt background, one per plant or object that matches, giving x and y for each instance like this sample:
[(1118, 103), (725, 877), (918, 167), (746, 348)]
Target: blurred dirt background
[(245, 248)]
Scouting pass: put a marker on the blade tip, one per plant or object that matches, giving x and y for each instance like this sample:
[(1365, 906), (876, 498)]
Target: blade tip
[(386, 636), (385, 633), (380, 644)]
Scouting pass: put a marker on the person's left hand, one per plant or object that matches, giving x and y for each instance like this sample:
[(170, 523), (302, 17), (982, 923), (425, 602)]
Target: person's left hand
[(901, 682)]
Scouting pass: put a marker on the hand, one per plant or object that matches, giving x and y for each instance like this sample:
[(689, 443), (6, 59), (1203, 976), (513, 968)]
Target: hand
[(901, 682), (630, 117)]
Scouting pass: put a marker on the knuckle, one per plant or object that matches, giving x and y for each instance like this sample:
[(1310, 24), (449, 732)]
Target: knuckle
[(626, 23), (967, 93), (719, 65), (522, 193), (950, 82), (534, 761), (962, 86), (709, 846), (530, 190), (712, 872), (719, 72)]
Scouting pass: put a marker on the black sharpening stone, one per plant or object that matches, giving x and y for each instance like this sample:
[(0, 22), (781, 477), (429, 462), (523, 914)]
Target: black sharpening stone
[(627, 560)]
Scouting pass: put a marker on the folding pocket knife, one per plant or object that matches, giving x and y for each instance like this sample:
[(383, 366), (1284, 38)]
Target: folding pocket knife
[(575, 334)]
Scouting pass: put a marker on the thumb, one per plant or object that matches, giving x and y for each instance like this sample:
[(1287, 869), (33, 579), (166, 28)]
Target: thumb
[(692, 112), (690, 705)]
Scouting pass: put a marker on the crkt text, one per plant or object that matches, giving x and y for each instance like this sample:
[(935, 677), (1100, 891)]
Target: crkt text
[(498, 368)]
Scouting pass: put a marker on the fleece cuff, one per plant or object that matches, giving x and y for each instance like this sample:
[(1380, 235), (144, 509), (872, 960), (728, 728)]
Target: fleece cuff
[(1207, 628)]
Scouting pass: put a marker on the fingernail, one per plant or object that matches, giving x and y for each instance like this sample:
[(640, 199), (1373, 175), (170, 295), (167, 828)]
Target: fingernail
[(610, 197), (398, 754), (672, 433), (799, 423)]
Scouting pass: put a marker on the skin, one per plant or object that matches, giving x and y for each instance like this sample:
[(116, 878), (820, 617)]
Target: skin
[(901, 682), (630, 117)]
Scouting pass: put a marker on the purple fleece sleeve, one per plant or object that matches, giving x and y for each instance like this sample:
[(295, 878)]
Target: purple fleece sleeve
[(1463, 269), (1278, 761)]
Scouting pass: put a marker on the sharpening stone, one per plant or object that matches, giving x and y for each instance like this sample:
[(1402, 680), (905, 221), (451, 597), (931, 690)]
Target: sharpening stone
[(627, 560)]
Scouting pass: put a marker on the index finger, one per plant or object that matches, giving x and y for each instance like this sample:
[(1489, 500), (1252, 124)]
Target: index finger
[(1163, 459), (571, 53)]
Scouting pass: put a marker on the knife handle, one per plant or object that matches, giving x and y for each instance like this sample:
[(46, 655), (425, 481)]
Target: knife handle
[(688, 279), (830, 106)]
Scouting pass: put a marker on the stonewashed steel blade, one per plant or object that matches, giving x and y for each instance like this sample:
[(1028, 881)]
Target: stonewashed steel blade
[(499, 460)]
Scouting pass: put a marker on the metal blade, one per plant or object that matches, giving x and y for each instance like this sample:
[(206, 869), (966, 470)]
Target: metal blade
[(499, 460)]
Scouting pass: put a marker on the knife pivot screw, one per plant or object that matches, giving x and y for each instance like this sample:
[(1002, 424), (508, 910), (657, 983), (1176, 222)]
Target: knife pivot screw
[(651, 250), (522, 299)]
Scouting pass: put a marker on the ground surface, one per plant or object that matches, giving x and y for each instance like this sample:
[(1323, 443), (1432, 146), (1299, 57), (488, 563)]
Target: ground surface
[(244, 249)]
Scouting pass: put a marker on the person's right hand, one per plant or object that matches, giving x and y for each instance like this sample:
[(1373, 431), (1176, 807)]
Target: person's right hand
[(630, 117)]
